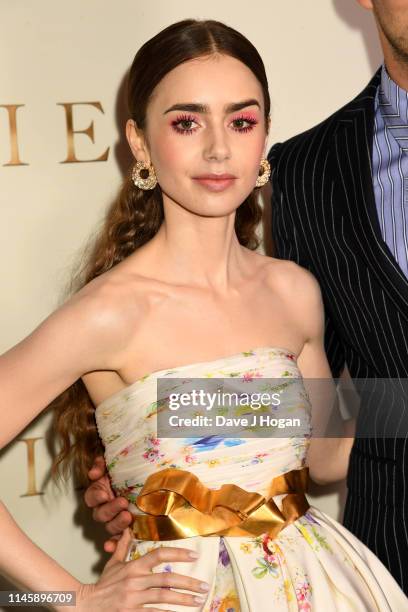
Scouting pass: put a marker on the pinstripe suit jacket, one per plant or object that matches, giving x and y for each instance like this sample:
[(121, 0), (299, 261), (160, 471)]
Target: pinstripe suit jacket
[(324, 218)]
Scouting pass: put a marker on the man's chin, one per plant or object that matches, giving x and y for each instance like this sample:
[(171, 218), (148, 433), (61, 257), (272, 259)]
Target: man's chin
[(398, 44), (400, 48)]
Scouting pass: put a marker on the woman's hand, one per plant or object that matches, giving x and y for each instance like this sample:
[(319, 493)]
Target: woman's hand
[(129, 585)]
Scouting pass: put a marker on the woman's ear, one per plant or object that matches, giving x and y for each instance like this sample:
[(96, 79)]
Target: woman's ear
[(136, 140)]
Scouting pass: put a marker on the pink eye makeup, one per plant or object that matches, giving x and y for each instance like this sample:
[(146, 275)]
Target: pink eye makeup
[(245, 118), (182, 124)]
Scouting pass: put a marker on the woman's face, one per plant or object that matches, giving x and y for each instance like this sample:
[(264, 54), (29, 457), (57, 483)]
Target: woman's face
[(206, 119)]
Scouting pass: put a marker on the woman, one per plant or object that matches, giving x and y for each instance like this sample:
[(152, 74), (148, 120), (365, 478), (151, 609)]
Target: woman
[(175, 287)]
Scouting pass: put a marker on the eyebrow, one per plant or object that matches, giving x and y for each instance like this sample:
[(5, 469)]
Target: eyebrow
[(203, 108)]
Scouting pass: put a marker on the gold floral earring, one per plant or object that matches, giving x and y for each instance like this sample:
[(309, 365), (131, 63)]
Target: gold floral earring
[(264, 173), (144, 176)]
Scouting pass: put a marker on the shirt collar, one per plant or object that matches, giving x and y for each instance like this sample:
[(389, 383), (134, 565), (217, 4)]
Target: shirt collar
[(393, 99)]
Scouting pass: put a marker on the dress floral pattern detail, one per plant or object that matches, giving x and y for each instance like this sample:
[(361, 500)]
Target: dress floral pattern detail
[(314, 564), (226, 597)]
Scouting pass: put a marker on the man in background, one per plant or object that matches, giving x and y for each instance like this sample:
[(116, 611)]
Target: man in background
[(340, 209)]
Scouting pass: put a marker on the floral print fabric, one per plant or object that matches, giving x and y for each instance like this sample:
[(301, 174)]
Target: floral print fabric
[(313, 564)]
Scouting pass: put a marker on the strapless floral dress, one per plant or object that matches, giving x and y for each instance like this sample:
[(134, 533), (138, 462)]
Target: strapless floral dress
[(313, 563)]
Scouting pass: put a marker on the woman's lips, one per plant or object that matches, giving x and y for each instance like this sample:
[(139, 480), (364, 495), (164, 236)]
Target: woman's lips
[(215, 182)]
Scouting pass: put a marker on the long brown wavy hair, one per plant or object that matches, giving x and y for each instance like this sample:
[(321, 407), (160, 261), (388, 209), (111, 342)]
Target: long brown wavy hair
[(135, 216)]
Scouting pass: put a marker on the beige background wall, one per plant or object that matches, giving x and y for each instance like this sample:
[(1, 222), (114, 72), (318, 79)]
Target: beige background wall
[(318, 55)]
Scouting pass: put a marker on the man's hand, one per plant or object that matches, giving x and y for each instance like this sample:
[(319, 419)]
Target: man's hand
[(106, 508)]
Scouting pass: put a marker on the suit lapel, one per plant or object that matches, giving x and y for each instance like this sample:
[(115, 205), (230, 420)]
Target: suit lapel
[(354, 193)]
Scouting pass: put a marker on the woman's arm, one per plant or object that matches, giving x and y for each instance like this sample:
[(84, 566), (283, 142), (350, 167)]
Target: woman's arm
[(332, 437), (87, 333), (122, 585), (72, 340), (25, 564), (84, 334)]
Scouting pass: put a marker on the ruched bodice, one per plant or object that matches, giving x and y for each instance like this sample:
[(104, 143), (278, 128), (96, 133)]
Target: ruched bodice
[(247, 462), (313, 563)]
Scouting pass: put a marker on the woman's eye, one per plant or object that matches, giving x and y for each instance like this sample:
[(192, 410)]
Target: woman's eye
[(244, 124), (184, 125), (188, 125)]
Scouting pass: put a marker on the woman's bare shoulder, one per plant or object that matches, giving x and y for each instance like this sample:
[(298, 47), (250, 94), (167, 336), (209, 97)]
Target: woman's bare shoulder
[(88, 332), (300, 290), (118, 298), (289, 276)]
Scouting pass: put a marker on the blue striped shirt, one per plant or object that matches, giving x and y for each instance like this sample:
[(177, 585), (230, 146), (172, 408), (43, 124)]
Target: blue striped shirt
[(390, 166)]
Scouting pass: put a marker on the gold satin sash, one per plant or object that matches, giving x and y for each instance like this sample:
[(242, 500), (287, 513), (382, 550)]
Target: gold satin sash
[(178, 505)]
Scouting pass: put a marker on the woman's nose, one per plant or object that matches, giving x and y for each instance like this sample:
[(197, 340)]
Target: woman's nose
[(216, 145)]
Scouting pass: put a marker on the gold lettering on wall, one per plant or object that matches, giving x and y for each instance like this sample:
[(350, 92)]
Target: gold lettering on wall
[(31, 483), (89, 131), (12, 119)]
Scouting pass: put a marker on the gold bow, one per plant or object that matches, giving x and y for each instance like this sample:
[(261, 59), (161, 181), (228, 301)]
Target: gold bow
[(178, 505)]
